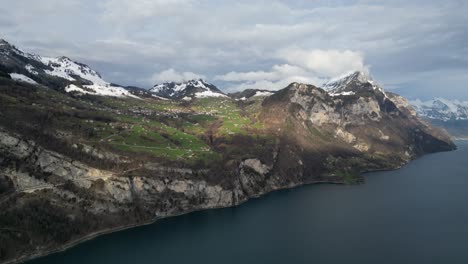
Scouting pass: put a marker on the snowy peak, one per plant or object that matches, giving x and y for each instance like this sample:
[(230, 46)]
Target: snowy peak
[(61, 73), (442, 109), (4, 43), (342, 81), (186, 90), (64, 67), (351, 83)]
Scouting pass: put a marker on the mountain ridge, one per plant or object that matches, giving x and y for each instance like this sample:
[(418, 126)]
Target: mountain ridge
[(451, 115), (61, 72), (196, 88), (442, 109)]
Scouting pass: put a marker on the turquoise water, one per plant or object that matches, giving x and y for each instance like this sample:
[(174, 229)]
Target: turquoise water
[(418, 214)]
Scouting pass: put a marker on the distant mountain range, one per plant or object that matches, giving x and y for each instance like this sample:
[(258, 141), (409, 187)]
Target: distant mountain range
[(442, 109), (449, 114)]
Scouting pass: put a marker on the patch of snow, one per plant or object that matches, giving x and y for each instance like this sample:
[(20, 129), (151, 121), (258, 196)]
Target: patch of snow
[(22, 78), (31, 69), (263, 93), (102, 90), (64, 67), (342, 93), (159, 97), (209, 93)]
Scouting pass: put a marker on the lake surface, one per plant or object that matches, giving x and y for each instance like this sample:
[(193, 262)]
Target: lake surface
[(418, 214)]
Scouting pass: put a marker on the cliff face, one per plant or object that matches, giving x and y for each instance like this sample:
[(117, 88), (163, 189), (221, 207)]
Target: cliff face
[(59, 200), (73, 167), (368, 120)]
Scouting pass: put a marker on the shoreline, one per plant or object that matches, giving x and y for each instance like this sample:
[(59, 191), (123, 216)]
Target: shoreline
[(93, 235)]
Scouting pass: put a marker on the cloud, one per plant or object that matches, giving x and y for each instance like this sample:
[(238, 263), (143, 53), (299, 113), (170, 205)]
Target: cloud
[(272, 85), (242, 42), (306, 66), (328, 63), (277, 72), (128, 11), (277, 78), (171, 75)]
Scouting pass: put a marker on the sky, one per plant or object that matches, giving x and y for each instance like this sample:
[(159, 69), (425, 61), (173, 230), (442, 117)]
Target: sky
[(416, 48)]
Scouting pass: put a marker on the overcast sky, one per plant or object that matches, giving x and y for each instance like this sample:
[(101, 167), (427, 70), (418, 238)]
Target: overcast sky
[(419, 49)]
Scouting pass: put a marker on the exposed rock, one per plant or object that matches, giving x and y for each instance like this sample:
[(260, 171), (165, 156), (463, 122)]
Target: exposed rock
[(256, 165), (345, 136)]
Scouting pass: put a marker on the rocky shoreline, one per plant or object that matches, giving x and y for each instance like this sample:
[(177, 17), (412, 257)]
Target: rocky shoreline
[(96, 234)]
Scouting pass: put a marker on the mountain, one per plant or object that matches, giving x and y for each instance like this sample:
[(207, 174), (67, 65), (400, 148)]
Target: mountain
[(351, 83), (249, 93), (451, 115), (442, 109), (60, 73), (74, 167), (187, 90), (362, 117)]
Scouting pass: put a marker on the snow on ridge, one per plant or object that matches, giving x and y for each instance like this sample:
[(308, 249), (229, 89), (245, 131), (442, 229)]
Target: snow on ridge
[(159, 97), (345, 79), (64, 67), (209, 93), (337, 86), (332, 94), (31, 69), (177, 87), (97, 89), (441, 109), (22, 78), (173, 89), (263, 93)]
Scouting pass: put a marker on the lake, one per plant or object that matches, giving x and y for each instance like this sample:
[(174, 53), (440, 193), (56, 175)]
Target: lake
[(418, 214)]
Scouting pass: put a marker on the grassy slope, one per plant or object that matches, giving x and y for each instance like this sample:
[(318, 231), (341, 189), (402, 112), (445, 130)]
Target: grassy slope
[(152, 128)]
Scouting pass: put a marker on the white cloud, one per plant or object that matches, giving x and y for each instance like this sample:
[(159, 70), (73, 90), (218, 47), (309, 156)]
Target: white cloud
[(277, 78), (328, 63), (130, 11), (171, 75), (277, 72), (273, 85), (322, 38), (306, 66)]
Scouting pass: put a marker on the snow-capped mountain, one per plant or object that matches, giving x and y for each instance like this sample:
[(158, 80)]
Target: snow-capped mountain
[(186, 90), (351, 83), (442, 109), (61, 72)]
